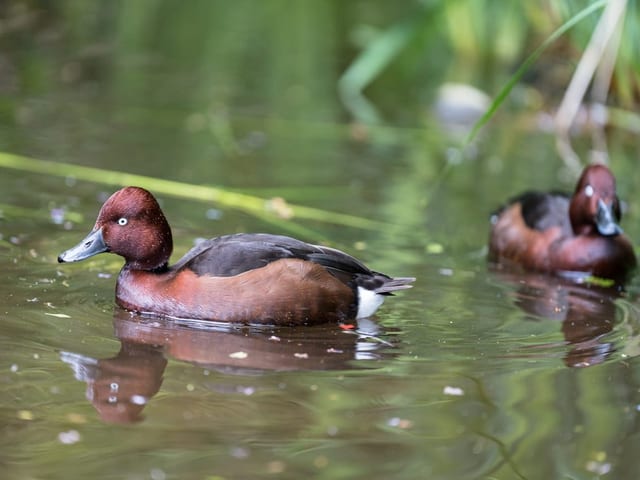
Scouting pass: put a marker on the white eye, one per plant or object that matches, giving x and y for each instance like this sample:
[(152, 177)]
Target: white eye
[(588, 191), (122, 221)]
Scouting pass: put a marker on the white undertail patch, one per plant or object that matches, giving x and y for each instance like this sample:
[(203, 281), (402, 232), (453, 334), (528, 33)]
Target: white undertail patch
[(368, 302)]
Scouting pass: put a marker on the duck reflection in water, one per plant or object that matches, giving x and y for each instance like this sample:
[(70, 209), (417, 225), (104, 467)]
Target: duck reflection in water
[(120, 387), (587, 311)]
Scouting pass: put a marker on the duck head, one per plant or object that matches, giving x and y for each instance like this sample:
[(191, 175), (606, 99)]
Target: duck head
[(595, 208), (132, 225)]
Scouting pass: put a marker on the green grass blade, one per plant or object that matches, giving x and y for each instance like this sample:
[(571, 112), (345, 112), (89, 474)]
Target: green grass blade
[(368, 65), (256, 206), (504, 92)]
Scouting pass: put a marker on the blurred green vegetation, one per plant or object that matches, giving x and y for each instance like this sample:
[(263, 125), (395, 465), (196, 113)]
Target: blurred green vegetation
[(290, 59)]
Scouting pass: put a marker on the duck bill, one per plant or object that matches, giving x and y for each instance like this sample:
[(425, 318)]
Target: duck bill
[(90, 246), (605, 220)]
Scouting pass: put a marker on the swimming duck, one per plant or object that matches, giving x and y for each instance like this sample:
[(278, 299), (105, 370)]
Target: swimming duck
[(552, 232), (245, 278)]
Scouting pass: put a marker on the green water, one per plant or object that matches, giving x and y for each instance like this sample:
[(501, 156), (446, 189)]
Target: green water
[(472, 374)]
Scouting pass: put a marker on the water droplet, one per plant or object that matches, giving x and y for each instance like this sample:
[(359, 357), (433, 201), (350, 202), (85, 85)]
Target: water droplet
[(157, 474), (239, 452), (70, 437)]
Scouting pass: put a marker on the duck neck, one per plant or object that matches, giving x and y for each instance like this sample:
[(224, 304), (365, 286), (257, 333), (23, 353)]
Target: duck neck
[(580, 221), (153, 253)]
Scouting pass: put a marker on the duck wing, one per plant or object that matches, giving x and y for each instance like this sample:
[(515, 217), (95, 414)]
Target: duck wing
[(231, 255), (543, 210)]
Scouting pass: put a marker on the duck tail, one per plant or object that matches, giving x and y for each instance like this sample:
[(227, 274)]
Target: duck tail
[(390, 285)]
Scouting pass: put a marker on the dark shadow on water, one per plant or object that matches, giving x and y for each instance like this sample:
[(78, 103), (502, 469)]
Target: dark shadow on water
[(119, 387), (587, 311)]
